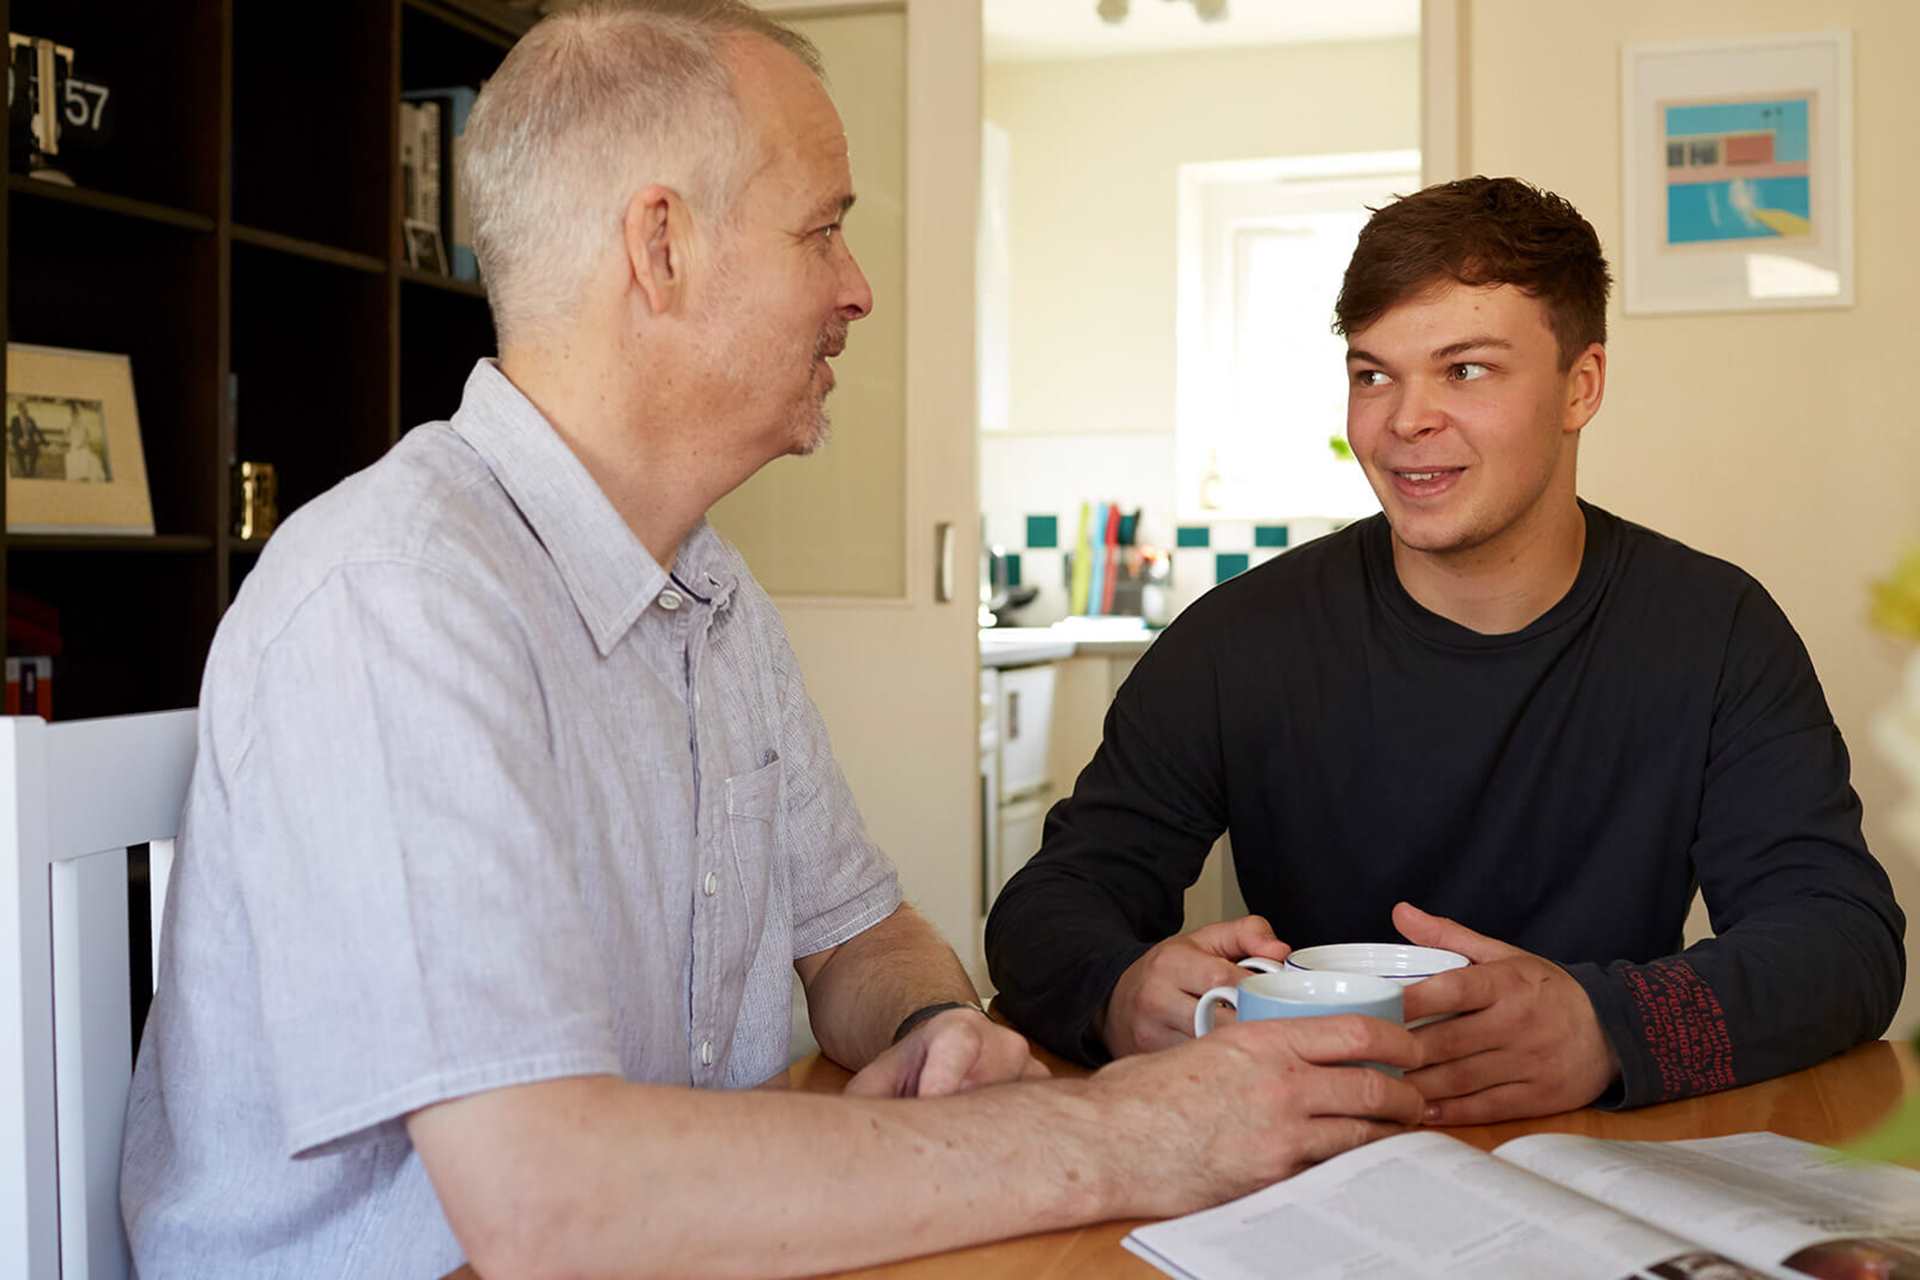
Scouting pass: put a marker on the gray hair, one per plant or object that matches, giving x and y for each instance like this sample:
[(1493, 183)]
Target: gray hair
[(590, 106)]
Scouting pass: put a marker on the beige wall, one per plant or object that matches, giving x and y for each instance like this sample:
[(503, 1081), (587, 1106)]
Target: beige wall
[(1096, 145), (1787, 443)]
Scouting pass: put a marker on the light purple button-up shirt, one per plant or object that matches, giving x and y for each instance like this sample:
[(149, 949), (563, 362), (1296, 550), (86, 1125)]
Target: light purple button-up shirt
[(484, 796)]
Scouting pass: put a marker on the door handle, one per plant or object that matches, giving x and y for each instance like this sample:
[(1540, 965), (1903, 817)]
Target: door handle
[(943, 562)]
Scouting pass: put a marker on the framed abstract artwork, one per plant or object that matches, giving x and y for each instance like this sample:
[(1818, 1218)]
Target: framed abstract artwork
[(1738, 174)]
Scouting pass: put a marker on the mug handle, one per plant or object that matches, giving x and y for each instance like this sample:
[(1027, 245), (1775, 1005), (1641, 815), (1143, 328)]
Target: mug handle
[(1261, 964), (1203, 1012)]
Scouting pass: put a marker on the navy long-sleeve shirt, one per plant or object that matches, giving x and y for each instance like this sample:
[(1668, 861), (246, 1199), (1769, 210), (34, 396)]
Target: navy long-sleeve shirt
[(1563, 788)]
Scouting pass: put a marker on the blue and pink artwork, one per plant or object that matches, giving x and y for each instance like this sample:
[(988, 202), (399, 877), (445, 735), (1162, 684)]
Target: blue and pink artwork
[(1738, 170)]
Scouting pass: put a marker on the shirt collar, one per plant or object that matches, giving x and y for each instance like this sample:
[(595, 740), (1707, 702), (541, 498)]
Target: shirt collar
[(607, 570)]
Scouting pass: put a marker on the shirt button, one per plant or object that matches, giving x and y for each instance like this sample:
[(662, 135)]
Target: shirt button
[(669, 600), (711, 885), (706, 1053)]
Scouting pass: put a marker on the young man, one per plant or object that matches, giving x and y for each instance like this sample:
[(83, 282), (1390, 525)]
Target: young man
[(512, 820), (1493, 701)]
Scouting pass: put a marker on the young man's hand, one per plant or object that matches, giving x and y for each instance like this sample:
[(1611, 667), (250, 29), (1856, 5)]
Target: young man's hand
[(1253, 1102), (1526, 1041), (951, 1052), (1152, 1005)]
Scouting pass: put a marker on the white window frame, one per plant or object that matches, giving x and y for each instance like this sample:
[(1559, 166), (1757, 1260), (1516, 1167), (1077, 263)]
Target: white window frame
[(1217, 202)]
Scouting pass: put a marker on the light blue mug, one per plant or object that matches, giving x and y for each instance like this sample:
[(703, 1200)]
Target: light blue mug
[(1301, 993)]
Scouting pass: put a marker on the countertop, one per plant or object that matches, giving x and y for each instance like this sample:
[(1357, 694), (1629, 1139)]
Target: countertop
[(1025, 646)]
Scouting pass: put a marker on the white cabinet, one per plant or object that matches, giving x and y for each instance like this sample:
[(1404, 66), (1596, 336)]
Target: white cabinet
[(1026, 720), (1016, 780), (1021, 823)]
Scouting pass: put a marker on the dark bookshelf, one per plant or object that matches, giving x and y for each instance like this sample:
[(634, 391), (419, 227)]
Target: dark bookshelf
[(241, 228), (244, 222), (162, 544), (21, 185)]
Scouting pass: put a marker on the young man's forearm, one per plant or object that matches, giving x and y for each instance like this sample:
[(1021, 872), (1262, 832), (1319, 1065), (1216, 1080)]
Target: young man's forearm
[(858, 993)]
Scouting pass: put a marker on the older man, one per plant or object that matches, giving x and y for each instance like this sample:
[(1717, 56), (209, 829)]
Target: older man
[(512, 818)]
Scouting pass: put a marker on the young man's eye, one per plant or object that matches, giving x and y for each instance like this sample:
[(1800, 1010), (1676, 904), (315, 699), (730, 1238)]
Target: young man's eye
[(1467, 372), (1369, 378)]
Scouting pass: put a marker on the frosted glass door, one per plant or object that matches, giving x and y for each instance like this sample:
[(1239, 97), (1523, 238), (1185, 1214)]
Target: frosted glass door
[(834, 524)]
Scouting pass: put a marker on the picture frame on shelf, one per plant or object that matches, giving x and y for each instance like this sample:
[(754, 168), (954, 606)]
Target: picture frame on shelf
[(426, 249), (75, 463), (1738, 174)]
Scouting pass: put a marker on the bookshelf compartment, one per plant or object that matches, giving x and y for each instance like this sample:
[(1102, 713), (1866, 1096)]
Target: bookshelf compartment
[(161, 66), (438, 54), (442, 334), (134, 628), (313, 138), (96, 280), (310, 355)]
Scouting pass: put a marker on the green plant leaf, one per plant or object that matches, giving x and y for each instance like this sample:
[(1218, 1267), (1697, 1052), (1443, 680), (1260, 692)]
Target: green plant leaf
[(1897, 1140), (1896, 598)]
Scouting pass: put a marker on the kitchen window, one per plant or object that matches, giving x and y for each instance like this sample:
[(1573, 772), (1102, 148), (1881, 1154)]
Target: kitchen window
[(1261, 376)]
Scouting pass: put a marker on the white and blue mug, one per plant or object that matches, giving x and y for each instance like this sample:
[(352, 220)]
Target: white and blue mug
[(1399, 963), (1276, 992)]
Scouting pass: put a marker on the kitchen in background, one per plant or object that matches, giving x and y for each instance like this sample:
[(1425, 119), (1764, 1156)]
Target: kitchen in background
[(1168, 202)]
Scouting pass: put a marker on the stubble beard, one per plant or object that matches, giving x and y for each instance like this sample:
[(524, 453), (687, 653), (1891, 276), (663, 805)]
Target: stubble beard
[(816, 425)]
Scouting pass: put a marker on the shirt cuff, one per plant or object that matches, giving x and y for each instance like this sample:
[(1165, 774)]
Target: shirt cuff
[(1616, 1027), (1666, 1024)]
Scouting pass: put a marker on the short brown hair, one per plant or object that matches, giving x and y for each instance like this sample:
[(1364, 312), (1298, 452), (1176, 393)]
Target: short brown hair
[(1481, 231)]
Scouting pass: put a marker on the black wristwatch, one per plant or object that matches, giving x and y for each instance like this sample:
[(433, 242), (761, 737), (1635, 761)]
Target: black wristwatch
[(918, 1016)]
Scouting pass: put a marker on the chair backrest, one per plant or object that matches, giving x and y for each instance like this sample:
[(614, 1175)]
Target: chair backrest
[(76, 796)]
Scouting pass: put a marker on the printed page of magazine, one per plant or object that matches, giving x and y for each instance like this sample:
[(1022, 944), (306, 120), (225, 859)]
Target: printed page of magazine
[(1421, 1204), (1785, 1207)]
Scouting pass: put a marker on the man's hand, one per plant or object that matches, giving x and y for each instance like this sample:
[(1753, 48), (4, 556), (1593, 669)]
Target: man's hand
[(1526, 1042), (1152, 1005), (951, 1052), (1254, 1102)]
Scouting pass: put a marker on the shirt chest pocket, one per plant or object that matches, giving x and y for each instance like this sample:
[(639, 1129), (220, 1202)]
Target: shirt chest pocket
[(753, 836)]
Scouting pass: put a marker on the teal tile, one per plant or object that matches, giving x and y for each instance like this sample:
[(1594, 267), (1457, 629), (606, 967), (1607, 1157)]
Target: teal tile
[(1043, 531), (1192, 535), (1269, 535), (1229, 564), (1013, 568)]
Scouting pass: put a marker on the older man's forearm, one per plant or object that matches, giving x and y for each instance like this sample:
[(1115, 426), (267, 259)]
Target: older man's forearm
[(593, 1176)]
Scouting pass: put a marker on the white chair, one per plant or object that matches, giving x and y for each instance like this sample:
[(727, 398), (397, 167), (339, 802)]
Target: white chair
[(76, 796)]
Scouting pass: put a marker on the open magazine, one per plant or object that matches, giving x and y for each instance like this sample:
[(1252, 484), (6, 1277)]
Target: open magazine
[(1424, 1204)]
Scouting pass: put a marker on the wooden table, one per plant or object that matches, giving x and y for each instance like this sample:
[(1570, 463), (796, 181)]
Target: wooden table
[(1833, 1102)]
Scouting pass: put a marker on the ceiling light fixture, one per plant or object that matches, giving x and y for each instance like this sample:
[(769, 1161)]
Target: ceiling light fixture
[(1114, 12)]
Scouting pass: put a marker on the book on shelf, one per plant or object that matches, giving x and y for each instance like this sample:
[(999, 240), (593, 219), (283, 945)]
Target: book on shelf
[(30, 687), (33, 625), (1425, 1204), (443, 128), (420, 162)]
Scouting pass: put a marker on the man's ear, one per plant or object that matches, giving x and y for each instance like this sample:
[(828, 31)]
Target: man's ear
[(1586, 386), (658, 235)]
